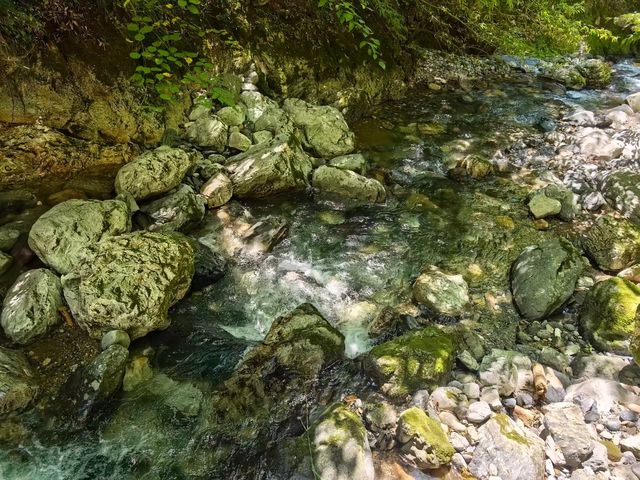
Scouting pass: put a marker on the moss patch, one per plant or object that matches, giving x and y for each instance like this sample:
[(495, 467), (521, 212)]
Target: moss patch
[(415, 424)]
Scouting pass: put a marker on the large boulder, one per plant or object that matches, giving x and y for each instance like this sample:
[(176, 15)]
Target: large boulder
[(325, 129), (565, 423), (340, 447), (613, 244), (417, 360), (208, 131), (622, 191), (270, 168), (348, 184), (154, 172), (544, 277), (31, 305), (515, 452), (596, 72), (218, 190), (17, 385), (180, 210), (423, 440), (129, 282), (61, 236), (443, 294), (609, 314), (567, 74)]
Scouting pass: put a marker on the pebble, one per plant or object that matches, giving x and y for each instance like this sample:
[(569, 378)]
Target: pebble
[(471, 390), (479, 412), (591, 417), (628, 416), (613, 425), (451, 421)]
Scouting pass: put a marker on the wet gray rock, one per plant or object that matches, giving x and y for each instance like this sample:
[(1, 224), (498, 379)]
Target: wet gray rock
[(270, 168), (325, 129), (513, 453), (544, 277), (129, 283), (622, 190), (8, 238), (31, 306), (62, 235), (614, 244), (348, 184), (155, 172), (567, 427), (210, 266), (209, 132), (443, 294), (340, 447), (17, 384), (181, 209), (91, 386), (601, 393)]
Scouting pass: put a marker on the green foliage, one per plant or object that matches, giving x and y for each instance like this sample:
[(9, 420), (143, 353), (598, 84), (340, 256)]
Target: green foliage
[(158, 32), (621, 37), (349, 16)]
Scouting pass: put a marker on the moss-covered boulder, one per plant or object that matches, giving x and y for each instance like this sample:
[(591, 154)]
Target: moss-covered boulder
[(17, 382), (621, 188), (544, 277), (609, 314), (417, 360), (129, 282), (154, 172), (181, 209), (348, 184), (61, 236), (596, 72), (422, 439), (614, 244)]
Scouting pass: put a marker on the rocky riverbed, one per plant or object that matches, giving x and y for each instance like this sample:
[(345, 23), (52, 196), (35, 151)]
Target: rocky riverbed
[(449, 288)]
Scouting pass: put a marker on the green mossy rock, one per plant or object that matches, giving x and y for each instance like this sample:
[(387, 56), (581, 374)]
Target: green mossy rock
[(544, 277), (17, 385), (443, 294), (417, 360), (179, 210), (424, 439), (348, 184), (609, 314), (129, 282), (614, 244), (597, 73)]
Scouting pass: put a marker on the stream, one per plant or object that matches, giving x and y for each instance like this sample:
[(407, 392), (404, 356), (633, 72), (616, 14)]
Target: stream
[(349, 262)]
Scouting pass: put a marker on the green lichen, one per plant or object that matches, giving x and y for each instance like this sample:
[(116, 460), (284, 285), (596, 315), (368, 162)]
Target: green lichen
[(508, 431), (415, 423)]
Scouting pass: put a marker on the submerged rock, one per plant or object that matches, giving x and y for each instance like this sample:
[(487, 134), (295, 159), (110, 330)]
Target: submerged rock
[(17, 385), (270, 168), (505, 369), (154, 172), (129, 283), (443, 294), (417, 360), (609, 314), (613, 244), (354, 161), (181, 209), (348, 184), (325, 129), (210, 266), (31, 306), (340, 447), (622, 191), (423, 440), (542, 206), (62, 235), (544, 277), (8, 238)]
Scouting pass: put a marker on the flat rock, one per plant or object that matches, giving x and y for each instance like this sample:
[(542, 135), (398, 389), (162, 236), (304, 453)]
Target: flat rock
[(566, 424)]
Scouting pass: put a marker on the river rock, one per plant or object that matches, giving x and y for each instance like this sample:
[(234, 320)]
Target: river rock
[(566, 198), (8, 238), (609, 313), (61, 236), (507, 451), (340, 447), (565, 423), (129, 283), (325, 129), (566, 74), (598, 366), (256, 104), (348, 184), (613, 244), (544, 277), (5, 262), (210, 266), (91, 386), (479, 412), (181, 209), (507, 370), (232, 116), (31, 305), (542, 206), (596, 144), (596, 72), (17, 385), (423, 441), (417, 360), (354, 161), (631, 444), (600, 392), (115, 337), (622, 190), (155, 172), (270, 168), (209, 132), (218, 190), (633, 101), (443, 294)]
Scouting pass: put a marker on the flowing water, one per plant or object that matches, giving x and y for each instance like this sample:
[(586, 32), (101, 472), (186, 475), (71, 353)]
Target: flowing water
[(347, 261)]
